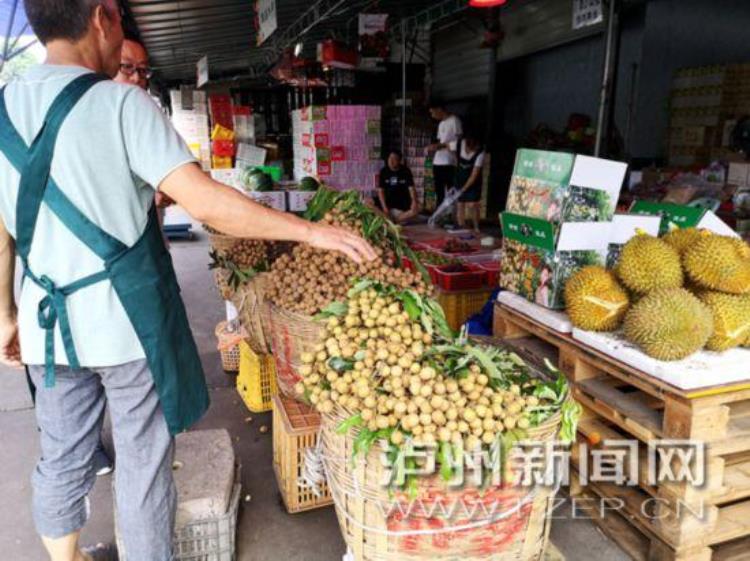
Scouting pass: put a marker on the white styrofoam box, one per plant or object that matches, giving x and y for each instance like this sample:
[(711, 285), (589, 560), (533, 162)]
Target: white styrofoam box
[(228, 177), (556, 320), (701, 370), (298, 200), (251, 155), (272, 199)]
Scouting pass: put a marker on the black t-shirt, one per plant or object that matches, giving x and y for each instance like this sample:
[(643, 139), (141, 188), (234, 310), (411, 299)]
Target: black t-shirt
[(396, 185)]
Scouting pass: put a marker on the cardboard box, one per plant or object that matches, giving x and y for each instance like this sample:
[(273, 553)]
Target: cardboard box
[(297, 201), (567, 206), (271, 199)]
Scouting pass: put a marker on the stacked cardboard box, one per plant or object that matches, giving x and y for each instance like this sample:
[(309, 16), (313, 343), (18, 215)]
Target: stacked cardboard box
[(340, 144), (190, 118), (705, 104)]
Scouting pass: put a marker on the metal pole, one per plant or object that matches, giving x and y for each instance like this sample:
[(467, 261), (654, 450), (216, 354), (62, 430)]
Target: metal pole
[(6, 45), (631, 107), (403, 87), (606, 78)]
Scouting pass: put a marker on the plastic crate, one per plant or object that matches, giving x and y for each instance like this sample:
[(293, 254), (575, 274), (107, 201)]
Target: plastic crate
[(256, 381), (471, 279), (492, 268), (211, 539), (295, 429), (459, 306)]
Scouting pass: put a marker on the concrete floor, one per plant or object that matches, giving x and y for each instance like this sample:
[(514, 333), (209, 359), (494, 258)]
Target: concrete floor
[(265, 532)]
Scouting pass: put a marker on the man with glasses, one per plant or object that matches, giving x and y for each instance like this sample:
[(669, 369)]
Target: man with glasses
[(100, 317), (134, 68)]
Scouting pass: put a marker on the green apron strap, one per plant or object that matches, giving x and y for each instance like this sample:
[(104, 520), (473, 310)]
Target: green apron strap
[(36, 171), (51, 310), (97, 240)]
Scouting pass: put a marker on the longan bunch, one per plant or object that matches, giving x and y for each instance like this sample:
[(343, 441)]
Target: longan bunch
[(307, 279), (391, 384), (247, 253)]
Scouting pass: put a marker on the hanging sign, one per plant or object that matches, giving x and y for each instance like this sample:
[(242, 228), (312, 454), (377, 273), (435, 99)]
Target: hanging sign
[(373, 39), (201, 69), (587, 13), (267, 22)]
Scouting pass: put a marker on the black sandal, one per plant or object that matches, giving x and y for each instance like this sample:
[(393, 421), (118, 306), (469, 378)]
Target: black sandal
[(102, 552)]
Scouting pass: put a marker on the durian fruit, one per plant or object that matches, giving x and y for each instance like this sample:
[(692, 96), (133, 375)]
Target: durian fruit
[(719, 263), (594, 300), (681, 239), (731, 314), (648, 263), (669, 324)]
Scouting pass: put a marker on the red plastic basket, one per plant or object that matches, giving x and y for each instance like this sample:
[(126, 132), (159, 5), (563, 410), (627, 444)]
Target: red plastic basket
[(223, 148), (492, 269), (472, 278)]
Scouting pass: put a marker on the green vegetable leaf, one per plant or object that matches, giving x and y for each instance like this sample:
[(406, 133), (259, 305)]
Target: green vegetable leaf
[(334, 309), (351, 422), (444, 457), (410, 303), (340, 364), (360, 287)]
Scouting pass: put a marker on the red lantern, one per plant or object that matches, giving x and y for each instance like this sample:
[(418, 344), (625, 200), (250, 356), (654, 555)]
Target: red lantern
[(486, 3)]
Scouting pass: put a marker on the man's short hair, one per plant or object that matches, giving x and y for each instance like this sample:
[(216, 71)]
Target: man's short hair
[(436, 104), (131, 36), (60, 19), (397, 152)]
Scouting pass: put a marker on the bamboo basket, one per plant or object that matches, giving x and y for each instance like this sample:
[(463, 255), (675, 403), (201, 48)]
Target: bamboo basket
[(295, 430), (290, 334), (250, 304), (221, 278), (376, 531)]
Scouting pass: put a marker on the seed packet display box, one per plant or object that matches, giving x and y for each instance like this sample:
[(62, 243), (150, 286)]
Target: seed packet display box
[(556, 221)]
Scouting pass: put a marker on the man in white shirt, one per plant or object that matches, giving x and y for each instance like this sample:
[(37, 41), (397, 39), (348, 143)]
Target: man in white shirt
[(100, 314), (444, 160)]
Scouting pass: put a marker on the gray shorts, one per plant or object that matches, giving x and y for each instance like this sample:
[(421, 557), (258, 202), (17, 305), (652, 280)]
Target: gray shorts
[(70, 417)]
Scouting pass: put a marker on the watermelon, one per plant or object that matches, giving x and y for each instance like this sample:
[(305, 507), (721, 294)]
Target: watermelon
[(308, 184), (256, 180)]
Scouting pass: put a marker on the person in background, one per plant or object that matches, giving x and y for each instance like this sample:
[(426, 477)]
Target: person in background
[(444, 161), (397, 196), (135, 70), (470, 158)]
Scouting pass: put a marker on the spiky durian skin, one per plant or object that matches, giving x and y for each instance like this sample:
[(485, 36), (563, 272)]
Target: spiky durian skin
[(594, 300), (648, 263), (669, 324), (719, 263), (681, 239), (731, 313)]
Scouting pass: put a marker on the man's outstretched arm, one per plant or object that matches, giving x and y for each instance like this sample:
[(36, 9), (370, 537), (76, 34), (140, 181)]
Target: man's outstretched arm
[(233, 213)]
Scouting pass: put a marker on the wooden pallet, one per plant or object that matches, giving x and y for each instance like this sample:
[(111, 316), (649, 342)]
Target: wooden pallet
[(622, 403), (295, 428)]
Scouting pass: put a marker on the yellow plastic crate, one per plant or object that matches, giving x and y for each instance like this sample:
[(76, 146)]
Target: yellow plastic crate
[(462, 304), (256, 381), (295, 429)]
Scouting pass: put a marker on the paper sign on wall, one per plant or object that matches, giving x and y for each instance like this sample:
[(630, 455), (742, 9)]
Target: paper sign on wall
[(267, 21)]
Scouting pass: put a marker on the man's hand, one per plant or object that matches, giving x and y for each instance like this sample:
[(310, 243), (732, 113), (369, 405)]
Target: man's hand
[(10, 349), (433, 148), (357, 249), (162, 201)]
